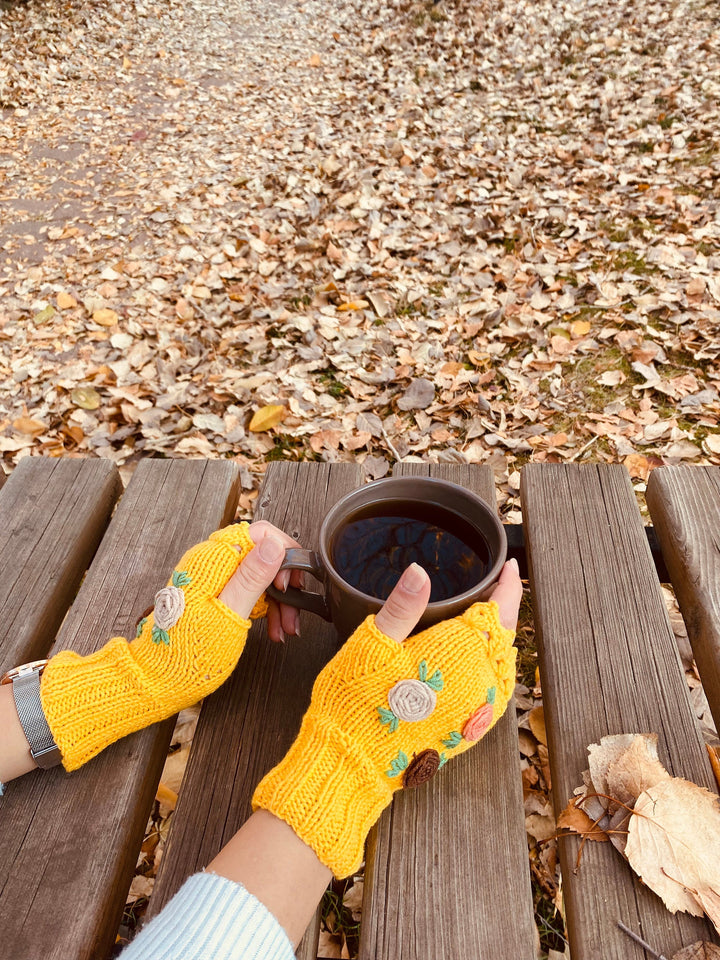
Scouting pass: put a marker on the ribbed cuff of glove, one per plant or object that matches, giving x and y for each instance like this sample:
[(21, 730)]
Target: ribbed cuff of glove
[(185, 649), (329, 792)]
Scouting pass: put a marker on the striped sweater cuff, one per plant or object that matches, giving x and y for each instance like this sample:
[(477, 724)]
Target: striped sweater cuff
[(211, 918)]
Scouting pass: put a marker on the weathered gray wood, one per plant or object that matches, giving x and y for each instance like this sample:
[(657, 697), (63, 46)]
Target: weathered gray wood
[(684, 502), (608, 665), (247, 726), (53, 514), (74, 839), (447, 872)]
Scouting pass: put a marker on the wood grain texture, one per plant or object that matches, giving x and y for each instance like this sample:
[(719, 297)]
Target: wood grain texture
[(608, 665), (447, 871), (74, 839), (247, 726), (53, 514), (684, 502)]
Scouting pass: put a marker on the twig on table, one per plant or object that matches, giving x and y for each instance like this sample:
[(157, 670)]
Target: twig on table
[(637, 939)]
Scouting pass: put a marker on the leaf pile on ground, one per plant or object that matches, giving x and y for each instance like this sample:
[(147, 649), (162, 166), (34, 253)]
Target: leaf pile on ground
[(467, 231)]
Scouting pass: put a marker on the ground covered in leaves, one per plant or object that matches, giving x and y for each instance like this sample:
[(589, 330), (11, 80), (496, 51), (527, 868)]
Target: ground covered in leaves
[(470, 231)]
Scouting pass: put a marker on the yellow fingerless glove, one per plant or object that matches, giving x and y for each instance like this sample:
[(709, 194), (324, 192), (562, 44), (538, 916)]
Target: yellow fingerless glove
[(183, 651), (386, 715)]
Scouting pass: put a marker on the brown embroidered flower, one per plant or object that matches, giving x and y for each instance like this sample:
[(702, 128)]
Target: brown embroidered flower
[(423, 767)]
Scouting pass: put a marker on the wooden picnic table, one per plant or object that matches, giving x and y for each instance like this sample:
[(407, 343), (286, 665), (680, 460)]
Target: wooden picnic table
[(447, 867)]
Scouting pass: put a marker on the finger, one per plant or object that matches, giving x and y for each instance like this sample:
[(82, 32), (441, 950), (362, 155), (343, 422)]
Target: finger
[(255, 573), (508, 594), (405, 605), (274, 623), (290, 618), (259, 531)]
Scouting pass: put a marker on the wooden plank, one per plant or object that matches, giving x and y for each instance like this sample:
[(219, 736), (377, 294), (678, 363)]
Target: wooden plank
[(608, 664), (247, 726), (685, 505), (74, 839), (447, 871), (53, 514)]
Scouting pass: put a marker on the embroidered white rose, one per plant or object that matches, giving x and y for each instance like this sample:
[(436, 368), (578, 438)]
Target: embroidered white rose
[(169, 607)]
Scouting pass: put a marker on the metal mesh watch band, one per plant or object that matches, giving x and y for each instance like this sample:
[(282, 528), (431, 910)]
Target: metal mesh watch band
[(26, 692)]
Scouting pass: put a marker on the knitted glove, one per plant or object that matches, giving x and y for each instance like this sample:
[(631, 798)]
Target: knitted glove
[(384, 716), (183, 651)]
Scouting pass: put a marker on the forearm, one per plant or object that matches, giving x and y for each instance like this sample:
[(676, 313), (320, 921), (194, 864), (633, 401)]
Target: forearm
[(15, 757), (274, 865)]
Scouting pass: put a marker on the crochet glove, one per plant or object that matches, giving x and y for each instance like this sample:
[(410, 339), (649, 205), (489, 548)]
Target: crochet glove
[(183, 651), (385, 716)]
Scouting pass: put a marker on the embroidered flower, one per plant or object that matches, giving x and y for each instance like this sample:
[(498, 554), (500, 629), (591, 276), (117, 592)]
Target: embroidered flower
[(169, 607), (478, 723), (412, 700), (423, 768)]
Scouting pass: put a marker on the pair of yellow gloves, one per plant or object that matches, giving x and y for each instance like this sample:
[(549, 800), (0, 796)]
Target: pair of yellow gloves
[(384, 715)]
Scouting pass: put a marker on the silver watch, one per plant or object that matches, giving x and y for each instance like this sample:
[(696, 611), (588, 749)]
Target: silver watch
[(25, 681)]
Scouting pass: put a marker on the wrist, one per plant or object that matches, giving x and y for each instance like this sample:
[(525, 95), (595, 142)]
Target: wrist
[(15, 757), (329, 792)]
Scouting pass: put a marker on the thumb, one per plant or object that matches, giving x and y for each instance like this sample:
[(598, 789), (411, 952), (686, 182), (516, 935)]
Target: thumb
[(255, 573), (405, 605)]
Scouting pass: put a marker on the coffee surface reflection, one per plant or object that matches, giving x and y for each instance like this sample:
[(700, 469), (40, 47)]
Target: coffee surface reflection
[(371, 552)]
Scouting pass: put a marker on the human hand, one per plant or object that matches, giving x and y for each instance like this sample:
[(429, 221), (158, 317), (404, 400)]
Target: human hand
[(184, 649), (387, 712), (256, 573)]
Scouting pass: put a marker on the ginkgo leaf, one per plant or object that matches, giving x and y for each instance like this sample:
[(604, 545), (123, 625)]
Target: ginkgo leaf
[(267, 417), (86, 397)]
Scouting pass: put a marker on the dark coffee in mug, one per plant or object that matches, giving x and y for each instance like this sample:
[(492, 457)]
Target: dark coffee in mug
[(377, 542)]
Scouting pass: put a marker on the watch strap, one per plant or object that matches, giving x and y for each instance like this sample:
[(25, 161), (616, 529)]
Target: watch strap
[(26, 692)]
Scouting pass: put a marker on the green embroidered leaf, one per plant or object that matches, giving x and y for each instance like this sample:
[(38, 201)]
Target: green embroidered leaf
[(443, 760), (422, 670), (491, 694), (398, 765), (387, 716), (452, 740), (160, 636), (140, 627), (181, 579), (436, 681)]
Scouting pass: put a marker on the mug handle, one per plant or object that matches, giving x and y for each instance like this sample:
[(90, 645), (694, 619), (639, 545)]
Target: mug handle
[(309, 560)]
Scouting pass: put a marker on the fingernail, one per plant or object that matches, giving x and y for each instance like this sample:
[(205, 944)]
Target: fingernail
[(284, 580), (414, 578), (514, 564), (271, 550)]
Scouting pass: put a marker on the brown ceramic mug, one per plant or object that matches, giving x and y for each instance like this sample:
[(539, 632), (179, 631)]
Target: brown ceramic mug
[(371, 535)]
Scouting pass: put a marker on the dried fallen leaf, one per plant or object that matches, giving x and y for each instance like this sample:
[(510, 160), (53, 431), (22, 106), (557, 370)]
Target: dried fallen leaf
[(673, 845), (65, 301), (267, 417), (29, 425), (418, 396), (536, 719), (575, 819), (105, 317), (700, 950), (86, 397), (354, 305)]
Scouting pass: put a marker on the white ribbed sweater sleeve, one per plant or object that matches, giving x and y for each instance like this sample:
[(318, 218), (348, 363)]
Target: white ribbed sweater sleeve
[(211, 918)]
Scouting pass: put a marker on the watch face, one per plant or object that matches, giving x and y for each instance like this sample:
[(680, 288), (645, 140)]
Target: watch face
[(23, 670)]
